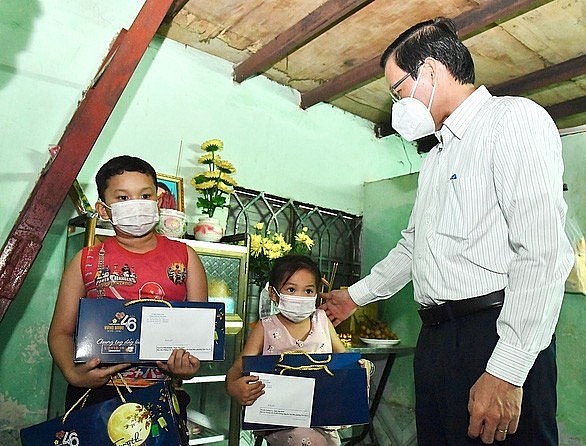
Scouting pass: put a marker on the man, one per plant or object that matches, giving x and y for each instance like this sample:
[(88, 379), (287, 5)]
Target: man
[(485, 248)]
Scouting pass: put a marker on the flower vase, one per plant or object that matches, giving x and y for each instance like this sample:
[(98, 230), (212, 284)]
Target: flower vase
[(208, 229)]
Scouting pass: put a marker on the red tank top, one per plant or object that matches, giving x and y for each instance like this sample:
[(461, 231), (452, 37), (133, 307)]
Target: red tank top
[(109, 270)]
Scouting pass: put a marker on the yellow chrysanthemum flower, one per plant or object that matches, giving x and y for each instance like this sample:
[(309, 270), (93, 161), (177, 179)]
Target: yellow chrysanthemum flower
[(224, 166), (212, 145), (224, 188), (267, 246), (206, 185), (212, 174), (206, 158), (303, 238), (227, 179), (255, 245)]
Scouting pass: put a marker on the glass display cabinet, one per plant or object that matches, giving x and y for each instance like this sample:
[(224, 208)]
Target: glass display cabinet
[(226, 266)]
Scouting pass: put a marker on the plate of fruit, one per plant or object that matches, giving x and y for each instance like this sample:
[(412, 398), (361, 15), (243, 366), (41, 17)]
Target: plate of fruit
[(376, 333), (380, 342)]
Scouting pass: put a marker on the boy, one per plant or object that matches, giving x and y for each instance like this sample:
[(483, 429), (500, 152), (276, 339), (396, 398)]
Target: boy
[(136, 263)]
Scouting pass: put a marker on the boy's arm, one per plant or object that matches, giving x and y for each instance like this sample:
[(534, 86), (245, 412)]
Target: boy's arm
[(246, 388), (62, 332), (197, 284)]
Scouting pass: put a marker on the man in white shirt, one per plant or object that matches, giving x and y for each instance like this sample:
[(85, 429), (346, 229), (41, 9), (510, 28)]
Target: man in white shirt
[(485, 248)]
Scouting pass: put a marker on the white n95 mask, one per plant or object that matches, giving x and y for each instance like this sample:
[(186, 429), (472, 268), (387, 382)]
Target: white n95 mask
[(411, 118), (134, 217), (296, 308)]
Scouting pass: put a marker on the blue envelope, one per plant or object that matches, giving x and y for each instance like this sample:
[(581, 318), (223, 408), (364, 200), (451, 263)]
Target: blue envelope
[(110, 329), (340, 395)]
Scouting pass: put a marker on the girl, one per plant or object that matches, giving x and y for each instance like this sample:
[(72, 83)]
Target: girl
[(298, 326)]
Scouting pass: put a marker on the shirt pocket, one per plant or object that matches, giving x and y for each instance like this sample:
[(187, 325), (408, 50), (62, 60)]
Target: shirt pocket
[(461, 209)]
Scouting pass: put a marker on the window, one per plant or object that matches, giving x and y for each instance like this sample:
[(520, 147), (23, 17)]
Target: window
[(336, 234)]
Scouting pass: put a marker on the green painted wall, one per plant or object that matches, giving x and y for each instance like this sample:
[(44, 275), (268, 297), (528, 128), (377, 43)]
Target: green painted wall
[(571, 329), (387, 208), (177, 98)]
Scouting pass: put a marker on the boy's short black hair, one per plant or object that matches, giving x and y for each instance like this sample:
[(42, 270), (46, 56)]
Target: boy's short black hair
[(119, 165), (285, 267)]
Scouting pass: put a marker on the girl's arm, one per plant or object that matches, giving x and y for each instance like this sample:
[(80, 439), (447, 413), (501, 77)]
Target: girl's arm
[(337, 346), (246, 388), (197, 283)]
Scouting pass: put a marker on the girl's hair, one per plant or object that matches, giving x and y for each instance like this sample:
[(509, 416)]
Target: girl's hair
[(288, 265), (118, 165)]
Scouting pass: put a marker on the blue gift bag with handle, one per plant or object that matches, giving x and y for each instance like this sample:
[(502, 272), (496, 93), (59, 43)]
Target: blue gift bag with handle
[(340, 394), (147, 416)]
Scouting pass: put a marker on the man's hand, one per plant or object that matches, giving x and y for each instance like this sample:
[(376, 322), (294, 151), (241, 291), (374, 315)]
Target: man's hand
[(494, 407), (338, 305)]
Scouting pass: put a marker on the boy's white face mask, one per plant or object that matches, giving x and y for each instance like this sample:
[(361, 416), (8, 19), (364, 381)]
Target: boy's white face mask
[(411, 118), (134, 217), (296, 308)]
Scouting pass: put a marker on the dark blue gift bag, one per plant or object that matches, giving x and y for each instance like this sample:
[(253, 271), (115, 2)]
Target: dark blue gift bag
[(148, 416), (340, 395)]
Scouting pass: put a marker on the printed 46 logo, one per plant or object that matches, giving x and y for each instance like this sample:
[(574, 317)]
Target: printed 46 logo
[(67, 438), (126, 320)]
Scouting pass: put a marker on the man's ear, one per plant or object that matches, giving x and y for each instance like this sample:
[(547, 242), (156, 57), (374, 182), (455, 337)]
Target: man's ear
[(102, 210)]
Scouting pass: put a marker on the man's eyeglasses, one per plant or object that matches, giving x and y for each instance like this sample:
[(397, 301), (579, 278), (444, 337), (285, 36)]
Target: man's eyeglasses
[(395, 96)]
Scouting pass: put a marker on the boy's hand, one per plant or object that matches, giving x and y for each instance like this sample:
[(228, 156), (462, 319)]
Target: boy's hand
[(92, 375), (246, 389), (181, 364)]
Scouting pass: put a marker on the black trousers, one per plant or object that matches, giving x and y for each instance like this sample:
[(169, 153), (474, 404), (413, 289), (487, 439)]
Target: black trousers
[(449, 358)]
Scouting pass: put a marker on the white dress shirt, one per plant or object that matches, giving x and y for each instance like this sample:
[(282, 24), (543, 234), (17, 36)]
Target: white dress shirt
[(489, 214)]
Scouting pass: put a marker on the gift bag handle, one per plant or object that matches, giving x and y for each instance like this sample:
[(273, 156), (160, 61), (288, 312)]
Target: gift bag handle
[(130, 302), (83, 398), (316, 363)]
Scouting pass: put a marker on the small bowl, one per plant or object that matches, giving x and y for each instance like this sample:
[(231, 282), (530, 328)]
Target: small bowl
[(172, 223)]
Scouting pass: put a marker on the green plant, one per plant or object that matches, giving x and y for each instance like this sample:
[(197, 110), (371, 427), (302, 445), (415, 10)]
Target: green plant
[(267, 246), (216, 182)]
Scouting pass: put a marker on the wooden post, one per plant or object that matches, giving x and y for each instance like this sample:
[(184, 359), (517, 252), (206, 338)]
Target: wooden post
[(26, 237)]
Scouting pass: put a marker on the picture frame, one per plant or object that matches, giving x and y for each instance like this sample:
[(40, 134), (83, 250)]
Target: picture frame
[(170, 192)]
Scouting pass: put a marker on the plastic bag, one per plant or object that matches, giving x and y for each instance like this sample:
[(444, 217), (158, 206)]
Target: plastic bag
[(576, 281)]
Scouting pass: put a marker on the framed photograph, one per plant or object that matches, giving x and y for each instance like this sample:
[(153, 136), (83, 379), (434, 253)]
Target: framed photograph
[(170, 192)]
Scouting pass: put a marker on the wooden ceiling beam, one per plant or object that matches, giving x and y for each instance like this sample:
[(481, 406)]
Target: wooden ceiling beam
[(26, 237), (542, 78), (174, 9), (468, 23), (567, 108), (320, 20)]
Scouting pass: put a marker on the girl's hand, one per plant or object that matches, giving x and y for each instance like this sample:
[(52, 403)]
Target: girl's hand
[(181, 364), (369, 366), (246, 389), (91, 375)]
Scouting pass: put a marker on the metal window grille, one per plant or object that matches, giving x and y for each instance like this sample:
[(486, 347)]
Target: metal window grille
[(336, 234)]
